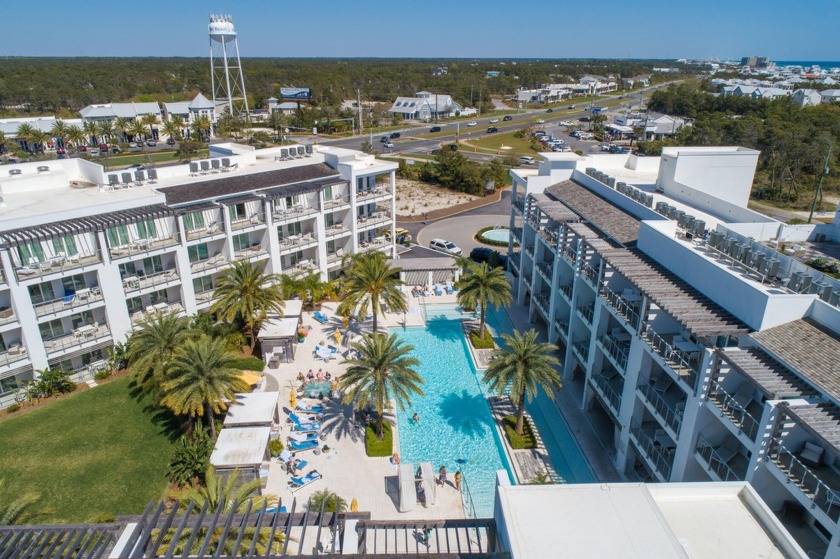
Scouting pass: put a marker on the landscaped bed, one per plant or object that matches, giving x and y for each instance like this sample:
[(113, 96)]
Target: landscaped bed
[(374, 446), (527, 440), (96, 454)]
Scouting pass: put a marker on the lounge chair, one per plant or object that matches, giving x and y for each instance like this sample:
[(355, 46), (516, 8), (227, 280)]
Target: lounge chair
[(320, 317), (303, 437), (296, 483), (727, 450), (69, 298), (438, 290), (295, 446), (811, 454), (303, 407), (450, 289), (304, 424)]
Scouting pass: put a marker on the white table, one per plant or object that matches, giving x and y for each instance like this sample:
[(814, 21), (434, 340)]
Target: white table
[(131, 281), (631, 296), (86, 331), (160, 307), (686, 346), (83, 293)]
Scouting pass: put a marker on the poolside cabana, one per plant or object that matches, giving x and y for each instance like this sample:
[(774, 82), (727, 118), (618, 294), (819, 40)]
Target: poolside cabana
[(427, 271), (242, 449), (277, 338), (253, 409)]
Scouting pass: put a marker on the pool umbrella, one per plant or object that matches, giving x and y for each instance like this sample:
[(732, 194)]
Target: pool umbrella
[(345, 322), (251, 378), (292, 399), (354, 505), (337, 336)]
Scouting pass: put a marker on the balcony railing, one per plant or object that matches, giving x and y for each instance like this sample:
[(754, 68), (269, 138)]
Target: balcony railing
[(302, 268), (56, 264), (206, 231), (141, 246), (610, 394), (589, 273), (581, 345), (7, 315), (336, 202), (527, 277), (372, 193), (295, 242), (561, 326), (336, 229), (158, 308), (529, 250), (335, 257), (672, 357), (80, 298), (622, 306), (211, 263), (569, 252), (615, 350), (294, 213), (542, 301), (13, 354), (737, 414), (254, 219), (516, 233), (250, 252), (566, 290), (587, 312), (546, 269), (803, 477), (519, 204), (659, 456), (376, 243), (79, 336), (374, 219), (550, 238), (670, 415), (135, 283), (716, 462)]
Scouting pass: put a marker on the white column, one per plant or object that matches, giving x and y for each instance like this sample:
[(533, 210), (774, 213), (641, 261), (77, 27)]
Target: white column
[(113, 293), (274, 264), (393, 183), (321, 235), (21, 302)]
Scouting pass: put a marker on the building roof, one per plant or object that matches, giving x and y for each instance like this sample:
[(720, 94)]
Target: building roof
[(292, 308), (424, 264), (253, 408), (613, 221), (808, 347), (124, 110), (177, 108), (200, 102), (694, 311), (773, 378), (554, 210), (279, 327), (240, 446), (823, 420), (247, 182)]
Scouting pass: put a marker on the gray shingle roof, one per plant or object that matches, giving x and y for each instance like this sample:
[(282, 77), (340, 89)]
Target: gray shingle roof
[(772, 377), (807, 347), (600, 213), (823, 420)]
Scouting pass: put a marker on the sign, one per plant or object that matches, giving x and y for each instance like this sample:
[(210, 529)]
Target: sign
[(301, 93)]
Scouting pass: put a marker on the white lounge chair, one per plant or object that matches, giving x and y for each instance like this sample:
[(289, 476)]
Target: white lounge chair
[(811, 454)]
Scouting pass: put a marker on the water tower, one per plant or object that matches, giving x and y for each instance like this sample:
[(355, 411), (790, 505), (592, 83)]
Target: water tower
[(225, 68)]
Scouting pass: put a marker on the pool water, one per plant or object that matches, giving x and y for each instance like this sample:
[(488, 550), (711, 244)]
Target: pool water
[(499, 235)]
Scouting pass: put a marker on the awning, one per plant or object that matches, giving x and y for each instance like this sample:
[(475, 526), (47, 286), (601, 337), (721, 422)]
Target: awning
[(251, 378)]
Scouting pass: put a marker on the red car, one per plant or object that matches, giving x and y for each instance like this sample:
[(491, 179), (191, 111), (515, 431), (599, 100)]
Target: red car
[(103, 147), (82, 148)]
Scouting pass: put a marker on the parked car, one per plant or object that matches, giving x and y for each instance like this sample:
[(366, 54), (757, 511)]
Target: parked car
[(561, 148), (132, 144), (434, 129), (443, 245), (116, 150), (93, 151), (389, 144), (151, 143), (539, 133), (103, 147), (492, 257), (135, 167), (383, 139), (81, 148), (403, 236), (575, 133), (507, 118), (494, 120), (394, 135), (472, 123), (550, 111), (566, 123), (526, 159), (453, 147), (541, 121), (170, 141), (492, 129), (572, 106)]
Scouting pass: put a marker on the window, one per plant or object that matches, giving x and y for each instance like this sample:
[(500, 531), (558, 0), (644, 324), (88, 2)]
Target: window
[(118, 236), (82, 318), (241, 242), (203, 284), (153, 265), (135, 304), (127, 270), (72, 284), (159, 297), (146, 229), (328, 193), (193, 221), (237, 212), (52, 329), (30, 252), (329, 220), (63, 365), (41, 293), (296, 257), (330, 247), (66, 245), (197, 253), (360, 184)]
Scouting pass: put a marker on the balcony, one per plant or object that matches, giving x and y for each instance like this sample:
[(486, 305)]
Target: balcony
[(735, 408), (373, 220), (213, 263), (550, 238), (139, 283), (204, 298), (302, 268), (546, 269), (617, 350), (338, 202), (80, 336), (581, 346), (562, 327), (141, 246), (209, 230), (159, 308), (624, 305), (814, 483), (14, 353), (542, 301), (368, 195), (656, 446), (255, 219), (7, 316), (566, 290), (527, 277), (529, 250), (335, 230), (336, 257), (569, 253), (250, 253), (670, 414), (56, 265), (519, 204), (293, 243), (68, 302), (587, 312), (724, 461), (590, 274), (610, 388), (294, 213), (671, 356), (516, 233), (376, 243)]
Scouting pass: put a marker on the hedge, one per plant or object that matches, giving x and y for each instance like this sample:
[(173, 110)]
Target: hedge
[(248, 364), (479, 236), (374, 446), (527, 440), (478, 343)]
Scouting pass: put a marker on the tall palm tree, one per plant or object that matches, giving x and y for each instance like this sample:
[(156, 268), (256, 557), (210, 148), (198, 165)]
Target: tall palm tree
[(25, 131), (91, 131), (482, 286), (40, 138), (276, 121), (202, 379), (13, 509), (105, 128), (76, 135), (121, 125), (150, 120), (369, 282), (59, 132), (172, 130), (382, 372), (522, 368), (247, 293), (137, 131), (152, 347), (201, 127)]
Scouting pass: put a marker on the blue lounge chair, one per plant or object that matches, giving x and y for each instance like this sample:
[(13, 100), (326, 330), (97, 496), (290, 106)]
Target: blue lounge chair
[(303, 407), (302, 481), (438, 290), (450, 288), (302, 426), (295, 446), (320, 317), (303, 437)]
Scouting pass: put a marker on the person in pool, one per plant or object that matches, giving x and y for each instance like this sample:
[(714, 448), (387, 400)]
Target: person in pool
[(415, 418)]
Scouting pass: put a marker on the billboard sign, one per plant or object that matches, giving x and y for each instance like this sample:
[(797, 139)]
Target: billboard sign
[(299, 93)]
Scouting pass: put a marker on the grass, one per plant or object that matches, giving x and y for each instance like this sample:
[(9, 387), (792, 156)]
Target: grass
[(374, 446), (479, 343), (156, 157), (99, 453), (479, 236), (519, 146), (527, 440), (248, 364)]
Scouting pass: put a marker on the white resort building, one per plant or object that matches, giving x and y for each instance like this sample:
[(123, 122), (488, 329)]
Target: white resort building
[(86, 253), (693, 336)]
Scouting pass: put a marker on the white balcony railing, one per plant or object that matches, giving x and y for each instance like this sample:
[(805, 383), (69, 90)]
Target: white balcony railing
[(78, 299), (78, 337), (138, 283), (141, 246), (56, 264)]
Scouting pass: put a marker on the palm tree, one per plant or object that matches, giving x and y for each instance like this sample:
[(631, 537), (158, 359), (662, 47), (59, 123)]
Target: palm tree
[(220, 493), (40, 139), (121, 125), (4, 142), (172, 130), (522, 368), (276, 121), (247, 293), (136, 131), (202, 379), (105, 128), (76, 135), (59, 132), (309, 288), (382, 372), (330, 500), (25, 131), (149, 120), (483, 286), (369, 283), (91, 131), (152, 346), (13, 509), (201, 126)]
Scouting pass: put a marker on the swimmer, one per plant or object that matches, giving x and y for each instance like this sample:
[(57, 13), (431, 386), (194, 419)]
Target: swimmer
[(415, 418), (395, 459)]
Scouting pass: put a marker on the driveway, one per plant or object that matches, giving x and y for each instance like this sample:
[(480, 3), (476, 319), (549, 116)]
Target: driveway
[(460, 229)]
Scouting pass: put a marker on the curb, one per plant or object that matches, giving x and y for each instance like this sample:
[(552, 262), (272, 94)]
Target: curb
[(441, 214)]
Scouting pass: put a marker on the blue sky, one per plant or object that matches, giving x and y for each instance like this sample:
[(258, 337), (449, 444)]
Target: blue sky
[(778, 29)]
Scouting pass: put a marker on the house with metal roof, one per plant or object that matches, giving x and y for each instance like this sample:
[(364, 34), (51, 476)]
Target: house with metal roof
[(110, 111), (190, 111), (426, 106)]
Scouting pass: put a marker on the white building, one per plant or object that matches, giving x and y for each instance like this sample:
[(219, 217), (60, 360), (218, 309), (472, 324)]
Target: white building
[(87, 253), (696, 342), (287, 107), (807, 97), (426, 106), (110, 111), (598, 84), (9, 126), (190, 111)]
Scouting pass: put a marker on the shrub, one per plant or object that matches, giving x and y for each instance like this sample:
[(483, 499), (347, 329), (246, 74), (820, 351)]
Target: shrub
[(527, 440), (248, 364), (374, 446), (479, 236), (275, 447), (13, 408), (479, 343), (329, 500), (104, 518), (102, 375), (191, 459)]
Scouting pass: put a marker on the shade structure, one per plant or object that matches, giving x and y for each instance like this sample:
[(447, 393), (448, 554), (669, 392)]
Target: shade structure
[(251, 378)]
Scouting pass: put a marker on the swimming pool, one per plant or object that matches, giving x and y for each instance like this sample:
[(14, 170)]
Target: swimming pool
[(501, 235)]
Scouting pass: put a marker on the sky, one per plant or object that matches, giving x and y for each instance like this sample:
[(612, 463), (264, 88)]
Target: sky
[(670, 29)]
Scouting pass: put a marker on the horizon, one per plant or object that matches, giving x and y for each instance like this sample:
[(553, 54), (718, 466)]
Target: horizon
[(630, 30)]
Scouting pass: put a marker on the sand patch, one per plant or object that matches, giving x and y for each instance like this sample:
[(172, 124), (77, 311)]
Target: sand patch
[(416, 198)]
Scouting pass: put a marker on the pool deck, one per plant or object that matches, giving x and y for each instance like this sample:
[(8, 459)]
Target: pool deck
[(346, 469)]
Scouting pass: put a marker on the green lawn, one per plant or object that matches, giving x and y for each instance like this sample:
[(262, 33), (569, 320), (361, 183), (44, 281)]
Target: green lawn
[(115, 161), (99, 452), (492, 142)]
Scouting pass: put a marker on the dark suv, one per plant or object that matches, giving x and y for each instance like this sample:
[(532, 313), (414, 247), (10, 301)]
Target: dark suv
[(395, 135), (492, 129), (492, 257), (434, 129), (507, 118)]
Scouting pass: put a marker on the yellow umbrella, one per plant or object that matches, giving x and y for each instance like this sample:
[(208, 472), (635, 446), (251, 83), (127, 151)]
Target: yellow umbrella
[(292, 399), (345, 321), (337, 336), (354, 505), (250, 378)]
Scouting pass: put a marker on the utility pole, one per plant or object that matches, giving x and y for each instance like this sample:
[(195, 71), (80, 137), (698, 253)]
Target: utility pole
[(359, 102), (820, 182)]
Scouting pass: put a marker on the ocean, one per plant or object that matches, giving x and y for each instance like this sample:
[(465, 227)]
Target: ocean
[(806, 63)]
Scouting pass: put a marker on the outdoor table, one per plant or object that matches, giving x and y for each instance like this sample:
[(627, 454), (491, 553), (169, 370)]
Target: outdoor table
[(131, 281), (85, 331)]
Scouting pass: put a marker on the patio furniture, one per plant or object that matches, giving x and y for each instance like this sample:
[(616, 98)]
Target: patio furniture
[(811, 454), (68, 298), (308, 408), (744, 395), (728, 450), (320, 317), (296, 483), (662, 383), (303, 437), (295, 446)]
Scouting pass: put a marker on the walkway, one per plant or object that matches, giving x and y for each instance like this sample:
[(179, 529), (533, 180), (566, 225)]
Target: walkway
[(461, 230)]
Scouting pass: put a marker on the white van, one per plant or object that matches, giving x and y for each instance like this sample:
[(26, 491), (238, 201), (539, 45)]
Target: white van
[(527, 160), (445, 246)]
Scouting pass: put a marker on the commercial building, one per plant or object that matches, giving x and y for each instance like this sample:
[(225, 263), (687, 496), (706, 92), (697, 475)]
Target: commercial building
[(426, 106), (85, 254), (698, 343), (190, 111)]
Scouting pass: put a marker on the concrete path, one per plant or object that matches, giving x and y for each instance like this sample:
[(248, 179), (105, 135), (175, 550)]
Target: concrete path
[(460, 230)]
